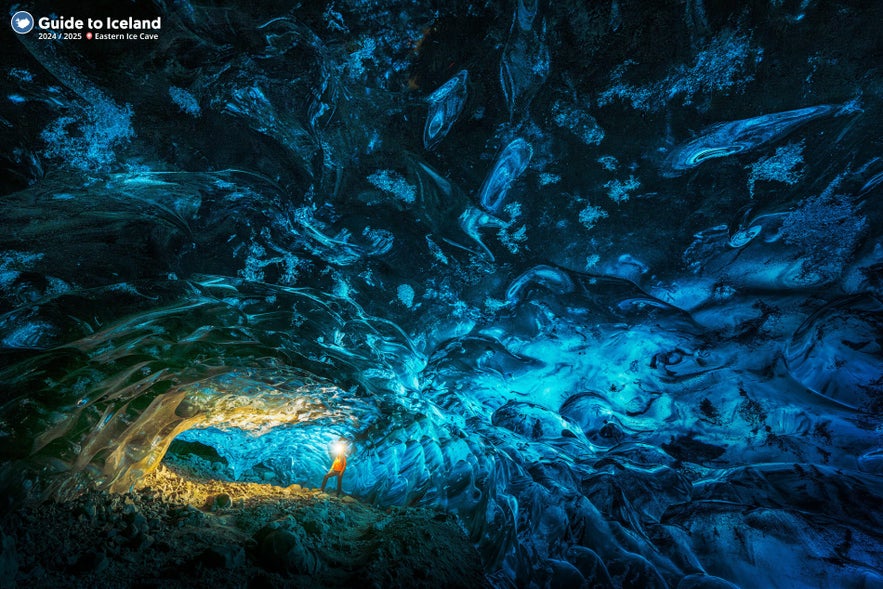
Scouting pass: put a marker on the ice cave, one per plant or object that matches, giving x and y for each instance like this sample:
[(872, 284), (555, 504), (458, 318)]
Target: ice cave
[(562, 293)]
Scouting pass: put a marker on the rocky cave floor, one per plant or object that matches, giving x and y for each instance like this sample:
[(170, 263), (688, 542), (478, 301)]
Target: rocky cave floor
[(181, 528)]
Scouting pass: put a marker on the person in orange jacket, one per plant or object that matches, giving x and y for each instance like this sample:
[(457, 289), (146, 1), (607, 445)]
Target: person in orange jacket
[(337, 467)]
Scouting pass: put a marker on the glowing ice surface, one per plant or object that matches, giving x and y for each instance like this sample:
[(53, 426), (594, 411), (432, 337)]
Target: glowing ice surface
[(445, 105), (680, 389), (510, 164), (726, 139)]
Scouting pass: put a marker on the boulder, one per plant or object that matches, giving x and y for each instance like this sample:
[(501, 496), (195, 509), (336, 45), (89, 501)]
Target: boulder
[(285, 550), (225, 557), (219, 501)]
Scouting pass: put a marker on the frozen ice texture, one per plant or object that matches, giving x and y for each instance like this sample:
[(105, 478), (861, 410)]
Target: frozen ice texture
[(727, 139), (445, 106), (615, 366), (510, 164)]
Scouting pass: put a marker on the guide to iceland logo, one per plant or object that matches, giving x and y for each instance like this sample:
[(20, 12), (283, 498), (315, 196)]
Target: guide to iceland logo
[(22, 22)]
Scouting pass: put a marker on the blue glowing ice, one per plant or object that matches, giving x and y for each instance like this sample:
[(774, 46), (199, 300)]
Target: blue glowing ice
[(783, 166), (676, 388), (590, 215), (836, 353), (445, 105), (619, 191), (825, 229), (393, 183), (510, 164), (723, 66), (578, 122), (525, 62), (405, 294), (88, 141), (184, 100), (726, 139), (551, 278)]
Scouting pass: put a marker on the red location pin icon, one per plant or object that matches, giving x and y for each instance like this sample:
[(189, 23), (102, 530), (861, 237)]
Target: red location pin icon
[(89, 35)]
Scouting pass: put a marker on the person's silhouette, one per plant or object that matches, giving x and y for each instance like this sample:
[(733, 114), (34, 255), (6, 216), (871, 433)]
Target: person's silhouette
[(337, 467)]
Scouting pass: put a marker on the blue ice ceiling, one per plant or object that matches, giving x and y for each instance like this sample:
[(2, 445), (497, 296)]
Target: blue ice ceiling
[(603, 279)]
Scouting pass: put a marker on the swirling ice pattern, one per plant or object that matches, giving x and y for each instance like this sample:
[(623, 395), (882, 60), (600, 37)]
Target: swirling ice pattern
[(837, 353), (511, 163), (726, 139), (524, 64), (445, 105)]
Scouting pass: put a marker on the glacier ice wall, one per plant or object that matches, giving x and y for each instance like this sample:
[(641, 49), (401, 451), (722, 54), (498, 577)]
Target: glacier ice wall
[(601, 279)]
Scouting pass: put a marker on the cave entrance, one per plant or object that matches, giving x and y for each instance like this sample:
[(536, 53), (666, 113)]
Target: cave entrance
[(292, 456), (262, 427), (221, 470)]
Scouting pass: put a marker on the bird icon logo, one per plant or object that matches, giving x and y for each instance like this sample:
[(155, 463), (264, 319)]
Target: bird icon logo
[(22, 22)]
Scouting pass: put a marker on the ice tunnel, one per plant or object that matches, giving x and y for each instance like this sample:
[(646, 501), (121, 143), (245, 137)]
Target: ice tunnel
[(591, 292)]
